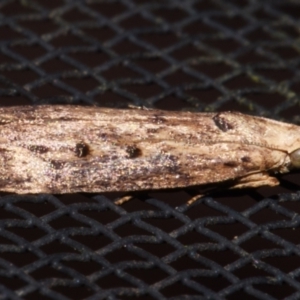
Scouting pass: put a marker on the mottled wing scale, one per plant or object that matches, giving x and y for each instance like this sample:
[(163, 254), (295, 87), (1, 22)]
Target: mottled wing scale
[(62, 149)]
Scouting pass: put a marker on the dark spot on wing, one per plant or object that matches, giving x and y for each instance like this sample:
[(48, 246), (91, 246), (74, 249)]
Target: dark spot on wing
[(81, 149), (56, 164), (38, 149), (231, 164), (222, 123), (152, 130), (103, 136), (133, 151), (246, 159)]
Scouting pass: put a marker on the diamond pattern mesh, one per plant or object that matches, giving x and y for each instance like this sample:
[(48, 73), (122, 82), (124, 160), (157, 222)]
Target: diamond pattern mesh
[(176, 55)]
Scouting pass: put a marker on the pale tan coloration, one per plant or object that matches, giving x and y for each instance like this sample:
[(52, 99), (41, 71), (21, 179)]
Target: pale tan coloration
[(67, 149)]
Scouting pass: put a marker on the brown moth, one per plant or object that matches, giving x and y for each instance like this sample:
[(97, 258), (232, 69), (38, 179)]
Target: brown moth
[(68, 149)]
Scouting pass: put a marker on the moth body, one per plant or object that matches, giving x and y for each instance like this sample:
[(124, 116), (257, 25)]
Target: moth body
[(68, 149)]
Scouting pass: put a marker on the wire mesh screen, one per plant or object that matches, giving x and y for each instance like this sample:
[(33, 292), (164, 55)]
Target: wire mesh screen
[(178, 55)]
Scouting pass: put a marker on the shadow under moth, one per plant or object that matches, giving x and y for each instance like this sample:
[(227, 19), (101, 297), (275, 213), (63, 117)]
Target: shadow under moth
[(68, 149)]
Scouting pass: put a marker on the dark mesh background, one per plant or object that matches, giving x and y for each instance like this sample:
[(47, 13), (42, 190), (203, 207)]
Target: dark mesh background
[(181, 55)]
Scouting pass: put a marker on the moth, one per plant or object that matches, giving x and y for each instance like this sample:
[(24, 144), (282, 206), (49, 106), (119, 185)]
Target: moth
[(68, 149)]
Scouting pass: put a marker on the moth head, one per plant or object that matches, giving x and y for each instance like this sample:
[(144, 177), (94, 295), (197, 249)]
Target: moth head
[(295, 159)]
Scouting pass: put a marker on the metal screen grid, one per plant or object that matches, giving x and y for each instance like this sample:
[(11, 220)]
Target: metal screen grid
[(179, 55)]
